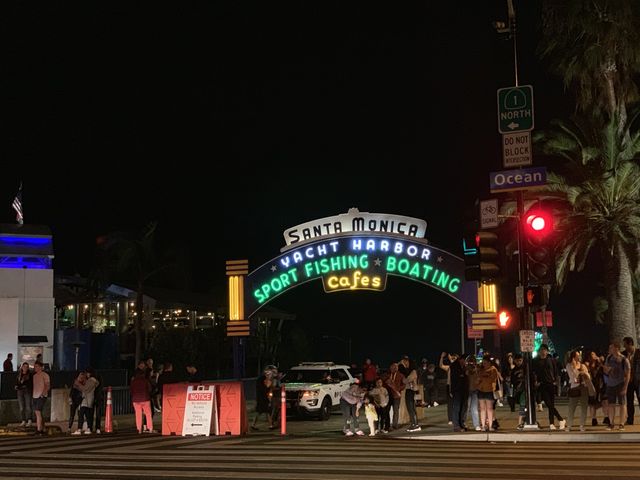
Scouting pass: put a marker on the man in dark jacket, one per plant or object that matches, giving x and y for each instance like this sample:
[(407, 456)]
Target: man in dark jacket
[(459, 393)]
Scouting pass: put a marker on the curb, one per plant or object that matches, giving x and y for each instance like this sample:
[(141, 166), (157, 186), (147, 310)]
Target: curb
[(558, 437)]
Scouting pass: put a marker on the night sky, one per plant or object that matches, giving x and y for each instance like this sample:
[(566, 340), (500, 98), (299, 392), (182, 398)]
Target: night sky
[(229, 122)]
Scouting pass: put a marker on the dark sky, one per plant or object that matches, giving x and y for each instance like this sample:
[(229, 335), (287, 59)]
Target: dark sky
[(230, 121)]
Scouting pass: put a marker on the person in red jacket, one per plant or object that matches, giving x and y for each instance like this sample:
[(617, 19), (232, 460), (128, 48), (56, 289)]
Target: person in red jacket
[(140, 389), (369, 374)]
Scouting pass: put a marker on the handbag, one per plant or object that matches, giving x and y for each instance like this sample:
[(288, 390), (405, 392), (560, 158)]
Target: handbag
[(575, 391)]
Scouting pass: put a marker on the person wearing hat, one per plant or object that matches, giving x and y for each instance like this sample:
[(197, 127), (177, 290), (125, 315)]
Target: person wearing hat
[(545, 371)]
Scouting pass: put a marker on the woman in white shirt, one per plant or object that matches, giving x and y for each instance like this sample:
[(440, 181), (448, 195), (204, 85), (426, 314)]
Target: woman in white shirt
[(578, 392)]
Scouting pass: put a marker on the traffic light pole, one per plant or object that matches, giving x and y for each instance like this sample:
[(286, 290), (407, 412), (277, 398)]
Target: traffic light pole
[(526, 321)]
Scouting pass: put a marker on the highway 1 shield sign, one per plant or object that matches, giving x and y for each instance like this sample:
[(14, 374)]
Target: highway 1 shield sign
[(515, 109)]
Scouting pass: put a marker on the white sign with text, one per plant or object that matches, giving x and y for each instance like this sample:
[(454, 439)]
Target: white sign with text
[(200, 409)]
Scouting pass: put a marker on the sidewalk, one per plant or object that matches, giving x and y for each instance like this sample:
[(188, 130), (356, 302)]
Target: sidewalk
[(435, 427)]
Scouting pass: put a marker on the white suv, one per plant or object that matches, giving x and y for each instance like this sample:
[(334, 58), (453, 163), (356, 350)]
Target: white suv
[(314, 388)]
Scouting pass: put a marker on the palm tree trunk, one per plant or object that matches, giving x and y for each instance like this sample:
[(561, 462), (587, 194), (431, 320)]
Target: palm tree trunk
[(619, 294)]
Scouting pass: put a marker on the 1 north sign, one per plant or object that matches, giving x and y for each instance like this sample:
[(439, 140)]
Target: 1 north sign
[(515, 109), (522, 179)]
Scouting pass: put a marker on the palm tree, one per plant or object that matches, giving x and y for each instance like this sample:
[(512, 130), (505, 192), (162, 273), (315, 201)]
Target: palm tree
[(594, 45), (599, 208), (134, 255)]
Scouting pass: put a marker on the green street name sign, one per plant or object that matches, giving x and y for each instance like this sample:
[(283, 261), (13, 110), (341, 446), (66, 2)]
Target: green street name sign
[(515, 109)]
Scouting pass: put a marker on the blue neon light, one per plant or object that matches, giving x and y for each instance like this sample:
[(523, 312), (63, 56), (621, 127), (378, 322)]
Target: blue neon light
[(14, 240), (30, 263)]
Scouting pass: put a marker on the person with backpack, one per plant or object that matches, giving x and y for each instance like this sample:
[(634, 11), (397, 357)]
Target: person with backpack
[(618, 369)]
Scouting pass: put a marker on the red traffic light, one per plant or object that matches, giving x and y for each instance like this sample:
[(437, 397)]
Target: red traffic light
[(538, 222), (504, 318)]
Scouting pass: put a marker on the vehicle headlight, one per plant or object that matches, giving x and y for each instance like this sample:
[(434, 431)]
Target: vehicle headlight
[(310, 393)]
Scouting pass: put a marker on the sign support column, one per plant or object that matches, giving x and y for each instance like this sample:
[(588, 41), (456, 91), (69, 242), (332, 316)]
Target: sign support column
[(237, 326)]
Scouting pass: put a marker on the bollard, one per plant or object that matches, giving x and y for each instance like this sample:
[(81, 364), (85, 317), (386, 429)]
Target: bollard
[(283, 412), (108, 419)]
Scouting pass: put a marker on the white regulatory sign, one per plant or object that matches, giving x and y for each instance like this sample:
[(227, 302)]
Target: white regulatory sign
[(489, 213), (527, 340), (516, 149), (199, 409)]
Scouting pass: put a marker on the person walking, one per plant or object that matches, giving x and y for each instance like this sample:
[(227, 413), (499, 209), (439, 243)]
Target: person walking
[(545, 372), (24, 392), (41, 387)]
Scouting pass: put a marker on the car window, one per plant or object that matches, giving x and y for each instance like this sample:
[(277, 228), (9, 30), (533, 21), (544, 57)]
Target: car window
[(340, 375), (305, 376)]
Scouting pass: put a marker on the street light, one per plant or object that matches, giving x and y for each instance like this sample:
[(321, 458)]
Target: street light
[(346, 342)]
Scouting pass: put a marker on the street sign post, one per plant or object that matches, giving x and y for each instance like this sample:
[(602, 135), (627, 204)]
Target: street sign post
[(515, 109), (527, 340), (519, 296), (516, 149), (489, 213), (521, 179)]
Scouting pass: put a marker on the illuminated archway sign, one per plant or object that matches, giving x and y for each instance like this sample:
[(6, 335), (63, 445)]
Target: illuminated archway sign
[(358, 251)]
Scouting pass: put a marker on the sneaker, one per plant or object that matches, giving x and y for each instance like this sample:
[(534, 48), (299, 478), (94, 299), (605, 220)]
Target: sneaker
[(29, 423), (594, 422), (606, 421), (87, 432), (98, 431), (478, 428), (359, 433), (77, 432), (552, 427), (348, 433), (621, 427), (149, 431), (520, 427), (384, 431), (582, 429), (450, 422), (435, 404), (414, 428), (499, 404), (23, 423), (372, 434), (562, 424)]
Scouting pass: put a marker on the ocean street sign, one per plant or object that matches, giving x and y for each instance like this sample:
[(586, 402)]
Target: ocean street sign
[(521, 179), (515, 109)]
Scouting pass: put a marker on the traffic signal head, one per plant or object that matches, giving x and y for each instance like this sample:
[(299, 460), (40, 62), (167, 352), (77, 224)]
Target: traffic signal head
[(537, 229), (481, 258), (504, 318)]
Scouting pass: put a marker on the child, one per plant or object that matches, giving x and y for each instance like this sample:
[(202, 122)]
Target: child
[(429, 382), (371, 414)]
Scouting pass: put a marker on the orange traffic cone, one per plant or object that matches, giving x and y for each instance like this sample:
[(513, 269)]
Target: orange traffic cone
[(108, 420)]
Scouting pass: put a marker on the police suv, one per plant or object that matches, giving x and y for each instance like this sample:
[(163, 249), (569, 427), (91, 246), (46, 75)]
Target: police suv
[(314, 388)]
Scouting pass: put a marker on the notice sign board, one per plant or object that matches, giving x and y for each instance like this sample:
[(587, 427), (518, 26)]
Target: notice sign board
[(200, 409), (527, 340), (516, 149)]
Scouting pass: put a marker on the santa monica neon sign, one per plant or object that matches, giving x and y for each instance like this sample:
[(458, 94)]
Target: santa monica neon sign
[(357, 251)]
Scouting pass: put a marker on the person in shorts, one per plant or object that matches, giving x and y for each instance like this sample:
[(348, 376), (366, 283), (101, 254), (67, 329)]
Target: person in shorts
[(618, 369), (41, 386)]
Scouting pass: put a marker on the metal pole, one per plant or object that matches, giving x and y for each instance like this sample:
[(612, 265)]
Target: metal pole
[(462, 325), (525, 318), (512, 25)]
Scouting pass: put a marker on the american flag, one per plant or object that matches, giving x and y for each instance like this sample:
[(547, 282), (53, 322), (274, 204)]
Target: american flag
[(17, 206)]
